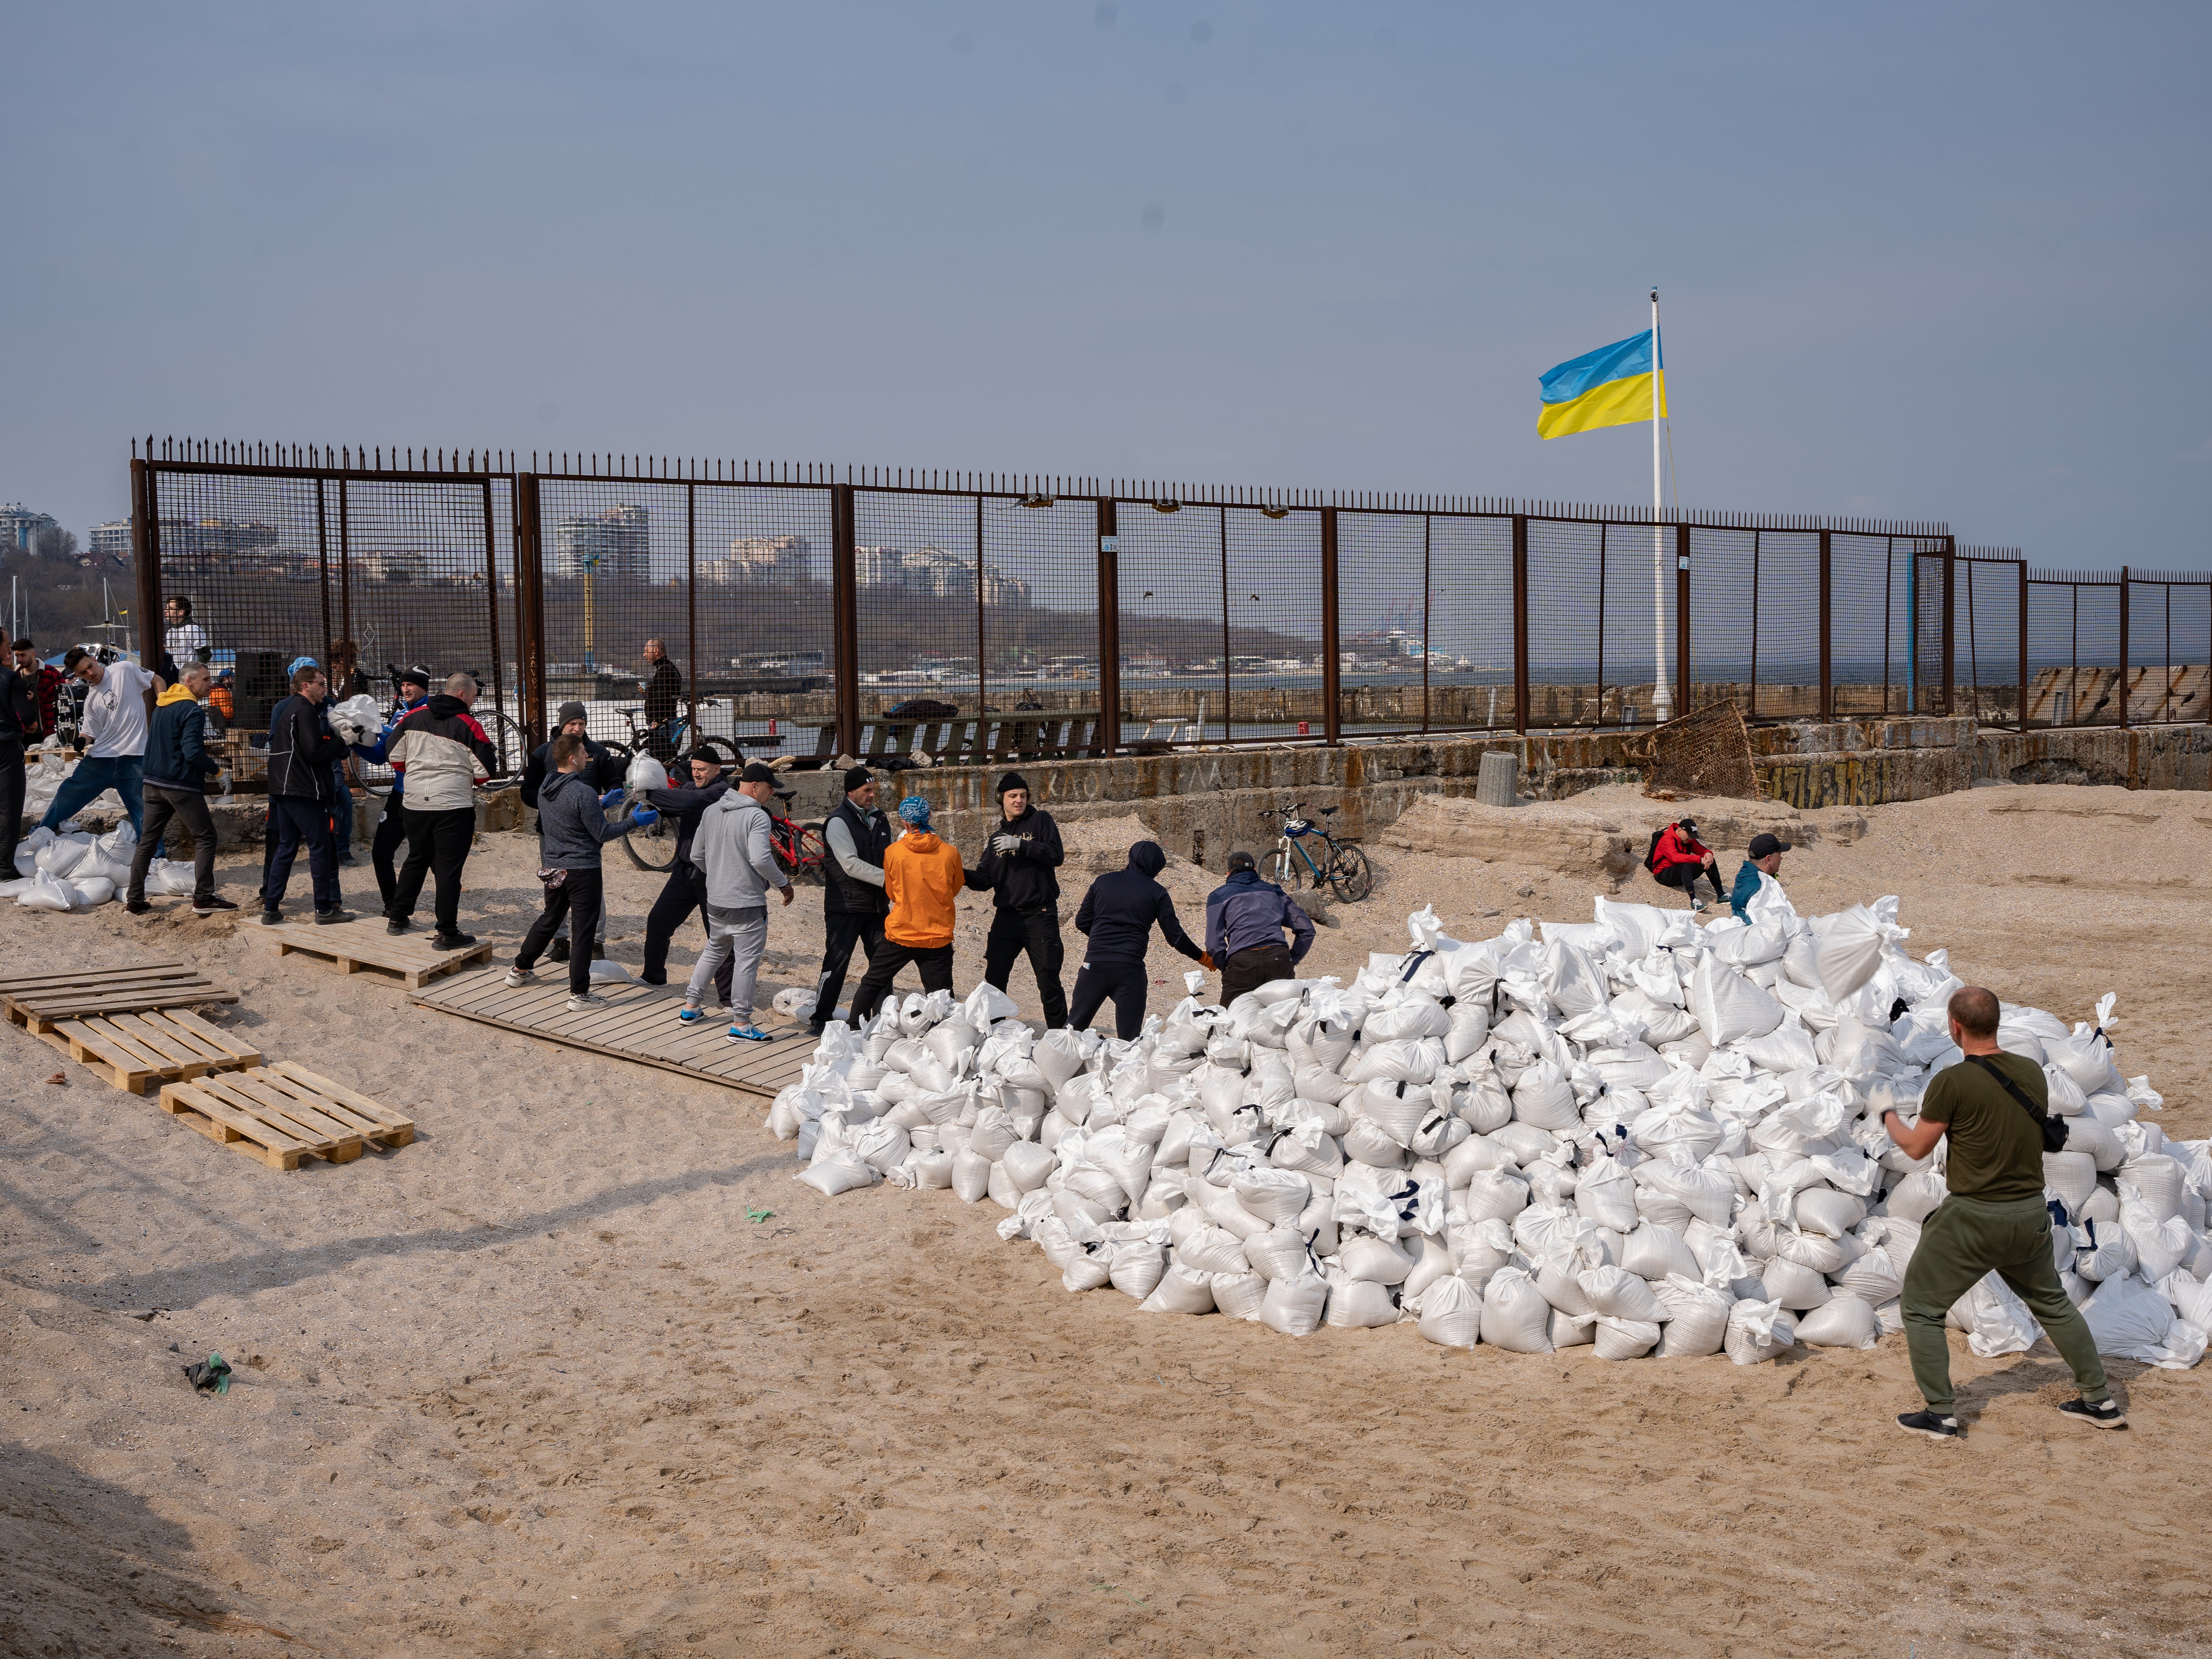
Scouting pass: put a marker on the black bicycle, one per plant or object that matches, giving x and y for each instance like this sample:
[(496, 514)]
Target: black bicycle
[(1307, 855)]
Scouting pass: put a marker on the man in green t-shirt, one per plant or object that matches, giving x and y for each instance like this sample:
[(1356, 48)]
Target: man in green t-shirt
[(1993, 1221)]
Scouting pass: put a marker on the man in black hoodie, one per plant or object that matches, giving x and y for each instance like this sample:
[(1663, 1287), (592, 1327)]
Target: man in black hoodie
[(1017, 869), (1117, 916), (301, 787), (685, 889)]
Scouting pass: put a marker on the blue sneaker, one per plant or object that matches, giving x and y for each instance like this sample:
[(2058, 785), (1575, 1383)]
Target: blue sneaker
[(748, 1034), (690, 1016)]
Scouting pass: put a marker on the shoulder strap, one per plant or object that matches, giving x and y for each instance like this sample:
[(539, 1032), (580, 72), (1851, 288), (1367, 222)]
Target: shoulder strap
[(2011, 1088)]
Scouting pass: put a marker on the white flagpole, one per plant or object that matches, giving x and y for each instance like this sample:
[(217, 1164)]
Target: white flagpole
[(1663, 697)]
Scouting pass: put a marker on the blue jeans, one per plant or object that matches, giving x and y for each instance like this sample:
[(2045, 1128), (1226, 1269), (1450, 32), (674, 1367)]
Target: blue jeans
[(124, 774)]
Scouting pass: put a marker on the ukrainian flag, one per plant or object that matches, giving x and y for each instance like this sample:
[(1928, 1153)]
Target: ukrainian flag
[(1610, 387)]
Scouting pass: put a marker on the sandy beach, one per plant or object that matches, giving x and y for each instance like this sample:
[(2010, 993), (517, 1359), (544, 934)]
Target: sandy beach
[(540, 1383)]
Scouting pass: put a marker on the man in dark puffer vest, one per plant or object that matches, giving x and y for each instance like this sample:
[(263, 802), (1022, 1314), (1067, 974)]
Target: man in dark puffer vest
[(853, 902)]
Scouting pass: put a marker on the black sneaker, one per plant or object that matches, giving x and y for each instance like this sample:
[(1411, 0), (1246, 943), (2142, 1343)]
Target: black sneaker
[(270, 918), (2104, 1415), (559, 953), (451, 941), (1927, 1423), (397, 924), (137, 906), (210, 907), (332, 918)]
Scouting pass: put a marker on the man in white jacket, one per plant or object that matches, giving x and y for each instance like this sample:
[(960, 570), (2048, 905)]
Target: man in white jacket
[(731, 848)]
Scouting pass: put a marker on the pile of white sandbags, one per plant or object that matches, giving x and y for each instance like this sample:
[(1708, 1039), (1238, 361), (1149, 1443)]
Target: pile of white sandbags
[(46, 769), (80, 870), (1641, 1133)]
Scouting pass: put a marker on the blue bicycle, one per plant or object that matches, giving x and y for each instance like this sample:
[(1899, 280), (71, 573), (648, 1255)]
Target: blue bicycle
[(1307, 855)]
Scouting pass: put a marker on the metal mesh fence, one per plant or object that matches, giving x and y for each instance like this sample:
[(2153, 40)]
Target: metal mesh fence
[(1784, 670), (2073, 650), (1272, 572), (1723, 616), (1985, 603), (766, 621), (1174, 624), (1040, 609), (1382, 622), (1471, 646), (2169, 649)]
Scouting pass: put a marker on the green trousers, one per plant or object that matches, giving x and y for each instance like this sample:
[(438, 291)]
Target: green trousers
[(1965, 1240)]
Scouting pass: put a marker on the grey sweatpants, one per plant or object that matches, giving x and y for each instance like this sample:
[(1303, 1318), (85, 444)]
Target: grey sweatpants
[(740, 937)]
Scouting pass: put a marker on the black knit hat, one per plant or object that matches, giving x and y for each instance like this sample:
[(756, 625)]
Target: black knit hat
[(1013, 781), (859, 778)]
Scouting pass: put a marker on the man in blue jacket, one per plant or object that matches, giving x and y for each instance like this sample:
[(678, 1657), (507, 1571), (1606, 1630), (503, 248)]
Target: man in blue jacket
[(1117, 916), (1244, 920), (572, 826), (1766, 859), (178, 768)]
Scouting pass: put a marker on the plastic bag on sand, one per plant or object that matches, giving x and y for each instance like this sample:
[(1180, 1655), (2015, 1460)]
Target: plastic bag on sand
[(47, 891), (1759, 1330), (1514, 1316), (2131, 1320), (1451, 1312), (1842, 1322), (795, 1002)]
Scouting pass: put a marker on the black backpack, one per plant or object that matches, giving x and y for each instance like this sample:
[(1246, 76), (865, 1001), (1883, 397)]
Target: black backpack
[(1652, 852)]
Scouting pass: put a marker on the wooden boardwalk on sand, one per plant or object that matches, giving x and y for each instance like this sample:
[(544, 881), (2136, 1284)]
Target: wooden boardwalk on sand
[(352, 946), (638, 1023)]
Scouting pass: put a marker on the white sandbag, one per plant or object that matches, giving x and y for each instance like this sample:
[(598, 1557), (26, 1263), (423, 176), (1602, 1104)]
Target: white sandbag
[(1295, 1306), (2158, 1181), (1625, 1338), (2072, 1174), (1606, 1193), (1698, 1318), (61, 855), (2159, 1246), (1571, 1330), (1359, 1304), (1239, 1296), (1620, 1293), (1451, 1313), (1543, 1100), (932, 1168), (1759, 1330), (2131, 1320), (1917, 1196), (2191, 1296), (1376, 1260), (1824, 1210), (47, 891), (1997, 1322), (1848, 952), (834, 1175), (1181, 1290), (1874, 1277), (1729, 1007), (971, 1174), (644, 772), (1842, 1322), (1494, 1196), (1706, 1194), (88, 892), (1794, 1285), (1514, 1316), (1653, 1251), (1212, 1249)]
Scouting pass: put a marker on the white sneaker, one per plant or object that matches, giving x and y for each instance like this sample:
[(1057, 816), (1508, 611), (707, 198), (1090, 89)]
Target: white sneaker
[(1697, 905), (519, 977), (577, 1004)]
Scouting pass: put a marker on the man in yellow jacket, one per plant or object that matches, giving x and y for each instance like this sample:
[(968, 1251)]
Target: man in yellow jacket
[(920, 876)]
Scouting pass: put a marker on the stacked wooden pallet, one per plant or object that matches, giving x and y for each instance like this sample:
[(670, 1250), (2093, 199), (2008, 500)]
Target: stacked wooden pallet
[(140, 1052), (40, 1002), (283, 1113)]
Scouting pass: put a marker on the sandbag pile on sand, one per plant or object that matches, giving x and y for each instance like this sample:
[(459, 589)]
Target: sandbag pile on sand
[(1640, 1133), (80, 870)]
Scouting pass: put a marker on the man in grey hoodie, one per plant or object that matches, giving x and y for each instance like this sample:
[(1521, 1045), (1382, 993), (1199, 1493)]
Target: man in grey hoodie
[(572, 825), (731, 848)]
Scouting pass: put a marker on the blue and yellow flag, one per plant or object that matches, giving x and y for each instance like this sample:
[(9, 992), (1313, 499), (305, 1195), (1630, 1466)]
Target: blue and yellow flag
[(1610, 387)]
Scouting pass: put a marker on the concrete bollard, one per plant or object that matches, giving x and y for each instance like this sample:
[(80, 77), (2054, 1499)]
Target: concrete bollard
[(1497, 783)]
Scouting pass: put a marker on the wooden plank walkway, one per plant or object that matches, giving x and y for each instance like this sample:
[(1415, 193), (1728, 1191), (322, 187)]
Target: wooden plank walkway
[(353, 947), (638, 1023), (283, 1113), (40, 1002), (136, 1052)]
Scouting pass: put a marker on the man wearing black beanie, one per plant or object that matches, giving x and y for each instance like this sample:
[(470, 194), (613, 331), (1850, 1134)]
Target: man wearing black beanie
[(1017, 868), (854, 905)]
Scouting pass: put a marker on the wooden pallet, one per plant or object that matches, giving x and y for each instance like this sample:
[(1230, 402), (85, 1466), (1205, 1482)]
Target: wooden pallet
[(283, 1113), (41, 1001), (136, 1051), (354, 946), (637, 1022)]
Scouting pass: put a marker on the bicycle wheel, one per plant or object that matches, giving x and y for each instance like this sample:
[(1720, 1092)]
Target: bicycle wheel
[(1285, 868), (1349, 877), (654, 848), (813, 854), (510, 741)]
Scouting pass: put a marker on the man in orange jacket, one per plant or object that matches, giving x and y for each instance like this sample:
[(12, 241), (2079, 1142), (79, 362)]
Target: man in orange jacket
[(920, 876)]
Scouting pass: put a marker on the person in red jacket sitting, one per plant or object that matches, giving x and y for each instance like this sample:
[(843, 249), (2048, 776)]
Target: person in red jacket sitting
[(1678, 858)]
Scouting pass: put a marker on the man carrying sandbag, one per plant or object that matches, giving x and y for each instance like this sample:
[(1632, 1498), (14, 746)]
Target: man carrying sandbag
[(1245, 918), (1993, 1106), (1117, 916), (922, 874)]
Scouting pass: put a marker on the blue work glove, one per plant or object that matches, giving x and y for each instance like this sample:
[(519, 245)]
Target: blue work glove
[(612, 800), (644, 818)]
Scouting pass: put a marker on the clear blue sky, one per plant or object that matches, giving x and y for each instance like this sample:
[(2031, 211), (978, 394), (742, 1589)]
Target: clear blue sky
[(1918, 261)]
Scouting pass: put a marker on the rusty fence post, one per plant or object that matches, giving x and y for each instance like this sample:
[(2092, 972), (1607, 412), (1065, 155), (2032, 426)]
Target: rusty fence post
[(1949, 629), (1110, 628), (1332, 660), (2124, 698), (530, 650), (844, 599), (1521, 623), (1827, 624), (2023, 644), (146, 557)]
